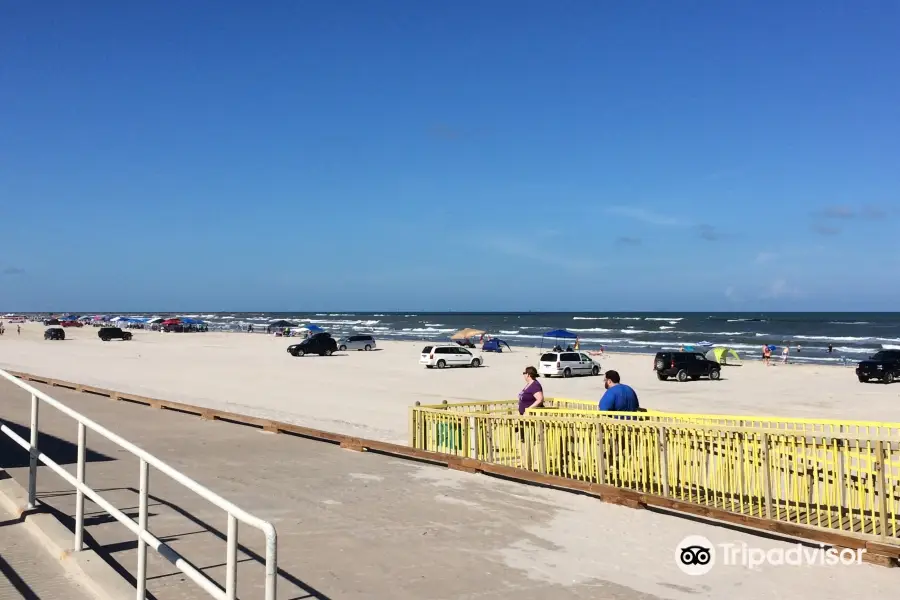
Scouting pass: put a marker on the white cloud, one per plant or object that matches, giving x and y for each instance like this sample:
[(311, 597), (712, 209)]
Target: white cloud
[(645, 216), (780, 288)]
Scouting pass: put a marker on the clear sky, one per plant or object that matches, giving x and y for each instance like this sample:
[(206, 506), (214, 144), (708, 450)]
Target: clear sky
[(500, 155)]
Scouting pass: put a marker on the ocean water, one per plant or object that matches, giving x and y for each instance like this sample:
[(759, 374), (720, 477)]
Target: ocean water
[(853, 335)]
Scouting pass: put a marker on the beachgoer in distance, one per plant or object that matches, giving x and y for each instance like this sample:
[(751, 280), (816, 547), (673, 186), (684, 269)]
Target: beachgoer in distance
[(577, 344), (784, 354), (532, 395), (830, 348), (618, 396), (766, 354)]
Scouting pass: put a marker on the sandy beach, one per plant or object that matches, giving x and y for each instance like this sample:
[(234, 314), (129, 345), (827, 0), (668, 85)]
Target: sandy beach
[(367, 393)]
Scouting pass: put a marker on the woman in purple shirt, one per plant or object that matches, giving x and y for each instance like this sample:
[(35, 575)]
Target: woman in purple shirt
[(532, 395)]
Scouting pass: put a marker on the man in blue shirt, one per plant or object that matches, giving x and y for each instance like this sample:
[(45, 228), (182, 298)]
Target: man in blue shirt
[(618, 396)]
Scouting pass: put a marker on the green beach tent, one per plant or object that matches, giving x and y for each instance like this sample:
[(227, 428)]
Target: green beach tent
[(724, 356)]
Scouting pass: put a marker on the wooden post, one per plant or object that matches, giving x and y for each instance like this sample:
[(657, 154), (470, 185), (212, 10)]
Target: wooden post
[(542, 448), (767, 474), (882, 488), (473, 438), (663, 460), (601, 454), (841, 476), (489, 442), (742, 486)]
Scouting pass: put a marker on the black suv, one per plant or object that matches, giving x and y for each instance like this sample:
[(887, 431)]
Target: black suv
[(113, 333), (55, 333), (321, 343), (883, 365), (685, 365)]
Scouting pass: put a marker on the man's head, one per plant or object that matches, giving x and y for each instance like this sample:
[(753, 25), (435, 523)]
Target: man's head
[(612, 378)]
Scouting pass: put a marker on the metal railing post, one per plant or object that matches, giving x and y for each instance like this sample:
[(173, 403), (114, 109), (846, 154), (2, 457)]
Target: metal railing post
[(142, 527), (662, 447), (33, 453), (79, 495), (271, 562), (231, 559)]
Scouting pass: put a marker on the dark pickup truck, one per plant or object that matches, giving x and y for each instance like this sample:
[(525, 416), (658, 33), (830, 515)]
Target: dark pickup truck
[(883, 365)]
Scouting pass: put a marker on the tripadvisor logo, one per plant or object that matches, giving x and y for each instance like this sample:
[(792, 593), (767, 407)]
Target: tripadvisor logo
[(696, 555)]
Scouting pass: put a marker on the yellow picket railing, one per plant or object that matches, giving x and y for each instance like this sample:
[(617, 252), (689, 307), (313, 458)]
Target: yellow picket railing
[(828, 479)]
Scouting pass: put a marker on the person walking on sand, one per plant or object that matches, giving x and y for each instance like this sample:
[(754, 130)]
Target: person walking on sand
[(766, 354), (784, 354), (532, 395), (18, 330)]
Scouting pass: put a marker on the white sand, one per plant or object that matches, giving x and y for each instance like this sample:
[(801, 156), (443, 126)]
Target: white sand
[(367, 393)]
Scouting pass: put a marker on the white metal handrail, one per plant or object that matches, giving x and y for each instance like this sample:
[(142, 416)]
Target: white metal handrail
[(145, 538)]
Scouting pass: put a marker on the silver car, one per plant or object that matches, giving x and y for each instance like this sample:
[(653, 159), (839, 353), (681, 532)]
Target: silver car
[(357, 342)]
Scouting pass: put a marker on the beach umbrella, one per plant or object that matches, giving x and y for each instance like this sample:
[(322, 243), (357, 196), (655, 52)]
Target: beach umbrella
[(772, 347), (282, 323), (464, 334), (313, 328), (171, 322)]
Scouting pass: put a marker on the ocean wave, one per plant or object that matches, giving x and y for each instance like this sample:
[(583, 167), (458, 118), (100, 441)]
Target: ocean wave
[(591, 330), (890, 347), (669, 319), (666, 327), (503, 332), (746, 321), (433, 324), (830, 338), (345, 322), (849, 322), (590, 318), (889, 340)]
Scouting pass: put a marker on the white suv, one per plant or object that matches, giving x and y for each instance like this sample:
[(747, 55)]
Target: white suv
[(567, 364), (448, 356)]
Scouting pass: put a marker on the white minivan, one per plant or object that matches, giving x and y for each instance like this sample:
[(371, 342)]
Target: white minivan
[(567, 364), (448, 356)]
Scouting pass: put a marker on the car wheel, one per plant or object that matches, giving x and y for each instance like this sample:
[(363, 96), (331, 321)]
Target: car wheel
[(661, 377), (595, 371), (714, 375), (329, 352), (441, 364), (682, 375), (567, 372), (342, 348), (367, 348), (300, 353), (888, 378), (476, 363), (863, 379), (104, 339)]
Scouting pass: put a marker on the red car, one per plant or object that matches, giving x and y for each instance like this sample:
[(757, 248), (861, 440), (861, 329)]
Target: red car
[(71, 324)]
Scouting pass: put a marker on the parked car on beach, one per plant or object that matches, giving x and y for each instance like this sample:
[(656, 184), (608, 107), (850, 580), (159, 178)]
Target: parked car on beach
[(883, 366), (113, 333), (71, 324), (448, 356), (685, 365), (357, 342), (54, 333), (320, 343), (567, 364)]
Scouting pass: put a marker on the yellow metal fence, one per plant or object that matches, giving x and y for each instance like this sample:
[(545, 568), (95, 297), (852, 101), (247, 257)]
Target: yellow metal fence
[(824, 478)]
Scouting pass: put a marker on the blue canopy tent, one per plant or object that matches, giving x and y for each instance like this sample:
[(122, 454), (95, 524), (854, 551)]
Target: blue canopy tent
[(191, 321), (495, 345), (558, 334), (314, 328)]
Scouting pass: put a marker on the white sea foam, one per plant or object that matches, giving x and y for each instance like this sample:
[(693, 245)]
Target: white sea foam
[(849, 322), (666, 327), (669, 319), (831, 338), (591, 330), (590, 318), (504, 332)]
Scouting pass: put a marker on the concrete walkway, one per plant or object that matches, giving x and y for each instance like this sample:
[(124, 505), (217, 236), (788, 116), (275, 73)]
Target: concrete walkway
[(360, 525), (27, 570)]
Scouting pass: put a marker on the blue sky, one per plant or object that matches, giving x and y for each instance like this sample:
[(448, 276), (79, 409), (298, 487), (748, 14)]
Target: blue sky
[(467, 155)]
